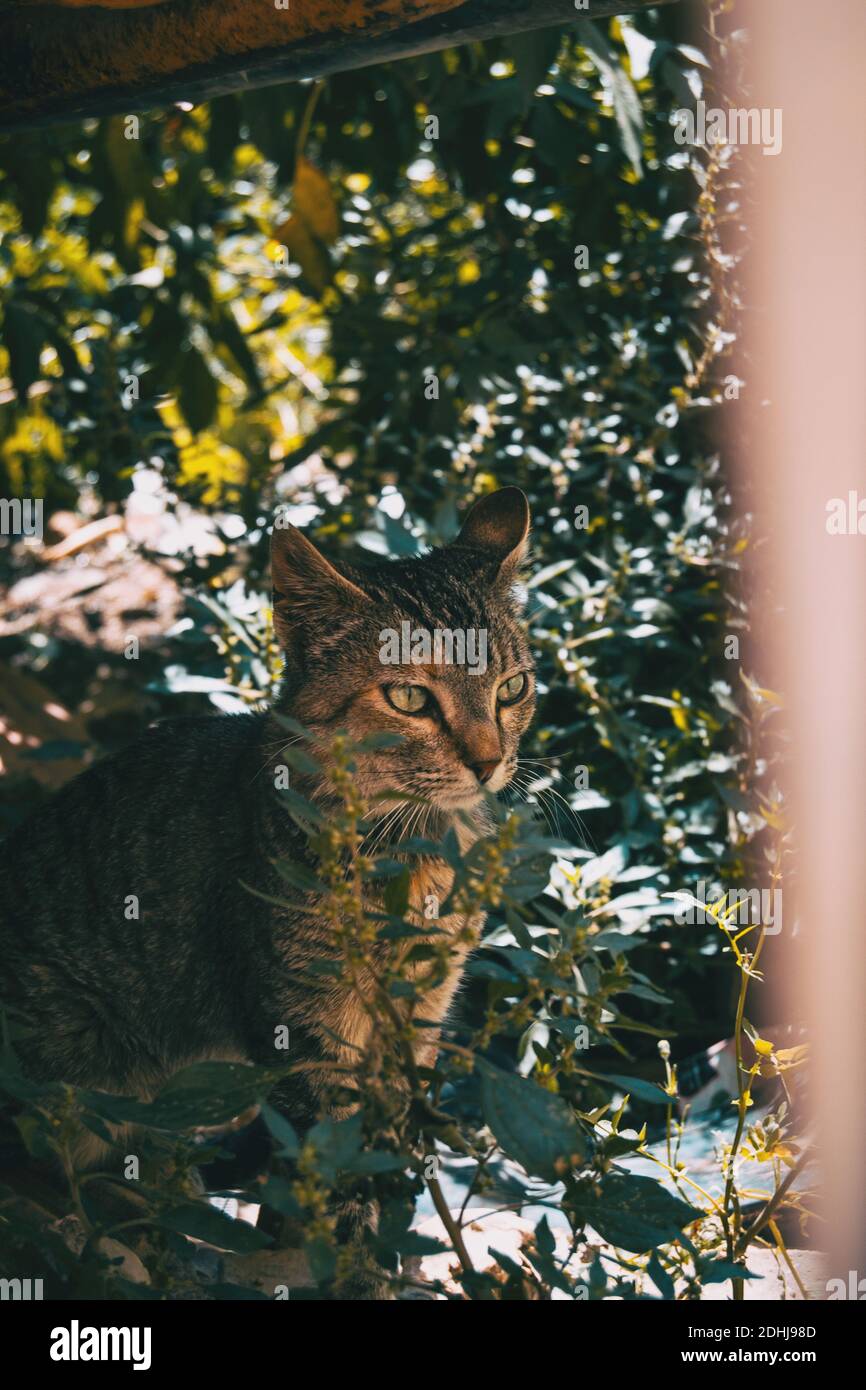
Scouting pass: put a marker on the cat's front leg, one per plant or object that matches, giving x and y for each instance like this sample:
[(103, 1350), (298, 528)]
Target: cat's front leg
[(352, 1210)]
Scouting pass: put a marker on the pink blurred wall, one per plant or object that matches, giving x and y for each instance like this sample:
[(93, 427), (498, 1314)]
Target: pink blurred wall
[(807, 343)]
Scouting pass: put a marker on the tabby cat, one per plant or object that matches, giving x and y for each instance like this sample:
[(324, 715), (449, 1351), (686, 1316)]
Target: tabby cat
[(187, 818)]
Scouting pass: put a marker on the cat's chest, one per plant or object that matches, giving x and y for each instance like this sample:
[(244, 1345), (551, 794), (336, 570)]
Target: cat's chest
[(453, 934), (348, 1010), (429, 886)]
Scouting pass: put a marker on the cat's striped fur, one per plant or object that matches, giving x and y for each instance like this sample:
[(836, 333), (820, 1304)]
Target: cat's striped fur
[(181, 820)]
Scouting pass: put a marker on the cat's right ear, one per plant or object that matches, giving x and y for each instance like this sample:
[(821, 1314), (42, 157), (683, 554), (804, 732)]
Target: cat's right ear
[(306, 586), (497, 526)]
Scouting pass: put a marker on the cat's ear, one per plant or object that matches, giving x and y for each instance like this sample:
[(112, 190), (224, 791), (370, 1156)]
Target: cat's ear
[(498, 525), (306, 586)]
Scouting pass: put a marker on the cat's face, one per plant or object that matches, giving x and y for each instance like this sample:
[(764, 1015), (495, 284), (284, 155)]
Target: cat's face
[(431, 648)]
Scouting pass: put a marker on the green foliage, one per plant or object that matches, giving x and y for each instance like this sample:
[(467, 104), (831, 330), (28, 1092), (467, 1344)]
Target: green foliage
[(438, 331)]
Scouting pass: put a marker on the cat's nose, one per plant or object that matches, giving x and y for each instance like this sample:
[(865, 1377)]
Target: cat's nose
[(484, 771)]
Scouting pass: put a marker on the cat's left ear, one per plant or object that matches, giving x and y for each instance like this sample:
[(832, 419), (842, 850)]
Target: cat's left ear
[(498, 525), (307, 589)]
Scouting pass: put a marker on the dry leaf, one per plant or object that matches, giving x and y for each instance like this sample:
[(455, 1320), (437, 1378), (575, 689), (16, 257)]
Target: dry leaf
[(314, 202), (310, 254)]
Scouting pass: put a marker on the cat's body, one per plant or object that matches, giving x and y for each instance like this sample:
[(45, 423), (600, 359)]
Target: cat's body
[(173, 959), (131, 945), (129, 938)]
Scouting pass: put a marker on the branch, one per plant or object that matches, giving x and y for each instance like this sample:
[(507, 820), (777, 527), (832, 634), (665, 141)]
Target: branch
[(768, 1212), (59, 65)]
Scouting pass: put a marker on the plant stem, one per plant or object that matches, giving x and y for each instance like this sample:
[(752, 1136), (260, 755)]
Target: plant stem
[(773, 1204), (730, 1195), (777, 1236), (450, 1225)]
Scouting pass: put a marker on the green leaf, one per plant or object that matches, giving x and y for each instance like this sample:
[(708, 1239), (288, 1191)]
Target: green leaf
[(278, 1194), (395, 1236), (616, 941), (23, 338), (717, 1271), (299, 876), (378, 1161), (626, 102), (646, 1091), (282, 1131), (533, 1126), (207, 1093), (292, 725), (396, 894), (660, 1277), (225, 329), (197, 391), (372, 743), (302, 812), (549, 572), (332, 967), (544, 1258), (36, 1134), (299, 760), (204, 1222), (337, 1144), (632, 1212)]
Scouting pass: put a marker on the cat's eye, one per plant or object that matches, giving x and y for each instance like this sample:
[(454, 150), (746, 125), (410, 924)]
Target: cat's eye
[(513, 689), (408, 699)]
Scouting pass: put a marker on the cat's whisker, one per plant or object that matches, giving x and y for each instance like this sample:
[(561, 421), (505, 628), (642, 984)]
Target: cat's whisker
[(394, 808), (527, 789), (521, 781), (404, 811), (545, 799), (276, 744), (514, 791), (517, 788), (581, 835), (369, 838), (546, 817), (540, 793), (412, 822), (423, 828), (426, 811), (579, 824), (380, 830)]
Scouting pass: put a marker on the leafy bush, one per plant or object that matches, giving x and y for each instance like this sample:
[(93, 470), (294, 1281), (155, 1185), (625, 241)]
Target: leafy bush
[(319, 298)]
